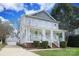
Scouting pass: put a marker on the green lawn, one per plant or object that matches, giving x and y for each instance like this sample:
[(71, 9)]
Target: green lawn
[(62, 52)]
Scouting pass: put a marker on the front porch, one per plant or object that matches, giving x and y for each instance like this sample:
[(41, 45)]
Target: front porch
[(52, 36)]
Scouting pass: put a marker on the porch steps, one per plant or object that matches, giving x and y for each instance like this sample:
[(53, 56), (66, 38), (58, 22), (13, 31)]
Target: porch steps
[(54, 45)]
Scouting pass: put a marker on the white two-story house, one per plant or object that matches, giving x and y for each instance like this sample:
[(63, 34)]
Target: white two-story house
[(40, 26)]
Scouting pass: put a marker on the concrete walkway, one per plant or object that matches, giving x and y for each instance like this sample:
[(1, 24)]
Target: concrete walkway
[(15, 51), (45, 49)]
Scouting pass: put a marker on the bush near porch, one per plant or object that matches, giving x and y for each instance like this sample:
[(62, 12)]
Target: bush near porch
[(37, 44), (44, 44), (62, 44)]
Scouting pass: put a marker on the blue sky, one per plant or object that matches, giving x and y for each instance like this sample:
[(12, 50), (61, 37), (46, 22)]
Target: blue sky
[(12, 12)]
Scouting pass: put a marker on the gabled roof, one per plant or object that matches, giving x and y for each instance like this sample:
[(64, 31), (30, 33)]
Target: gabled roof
[(43, 15)]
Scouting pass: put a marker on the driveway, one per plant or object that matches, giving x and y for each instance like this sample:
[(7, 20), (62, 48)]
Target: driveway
[(15, 51)]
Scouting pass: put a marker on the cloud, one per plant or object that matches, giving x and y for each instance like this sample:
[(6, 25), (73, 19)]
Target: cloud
[(27, 7), (32, 8), (1, 9), (12, 6), (2, 19), (43, 6), (48, 6)]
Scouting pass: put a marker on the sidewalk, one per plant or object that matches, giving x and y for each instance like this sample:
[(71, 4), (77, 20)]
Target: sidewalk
[(15, 51), (44, 49)]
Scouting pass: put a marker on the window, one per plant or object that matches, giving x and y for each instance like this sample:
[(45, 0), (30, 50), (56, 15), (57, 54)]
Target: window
[(60, 37), (35, 34), (47, 34), (54, 35), (55, 24)]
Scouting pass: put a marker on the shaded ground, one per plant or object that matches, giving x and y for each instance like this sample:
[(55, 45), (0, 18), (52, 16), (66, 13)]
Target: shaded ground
[(61, 52)]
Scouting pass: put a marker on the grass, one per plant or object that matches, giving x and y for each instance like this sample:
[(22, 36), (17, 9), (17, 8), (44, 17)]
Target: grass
[(62, 52), (1, 46)]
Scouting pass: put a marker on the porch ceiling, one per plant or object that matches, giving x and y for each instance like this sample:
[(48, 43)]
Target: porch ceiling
[(57, 30)]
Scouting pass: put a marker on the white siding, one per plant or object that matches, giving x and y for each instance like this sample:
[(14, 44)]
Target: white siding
[(36, 23), (41, 23)]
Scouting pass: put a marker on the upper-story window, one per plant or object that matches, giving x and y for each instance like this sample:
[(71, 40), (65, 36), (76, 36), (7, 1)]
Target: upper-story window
[(55, 24)]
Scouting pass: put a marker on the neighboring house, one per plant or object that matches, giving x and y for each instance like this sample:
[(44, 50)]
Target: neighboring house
[(75, 32), (40, 26)]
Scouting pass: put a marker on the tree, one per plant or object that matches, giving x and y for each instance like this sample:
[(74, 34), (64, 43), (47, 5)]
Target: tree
[(5, 29), (63, 13)]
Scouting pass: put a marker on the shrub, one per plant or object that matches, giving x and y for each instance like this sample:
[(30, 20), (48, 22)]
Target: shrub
[(36, 44), (44, 44), (63, 44), (73, 41)]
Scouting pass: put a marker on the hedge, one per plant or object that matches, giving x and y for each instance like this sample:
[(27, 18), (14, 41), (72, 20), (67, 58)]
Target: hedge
[(36, 44), (44, 44), (62, 44), (73, 41)]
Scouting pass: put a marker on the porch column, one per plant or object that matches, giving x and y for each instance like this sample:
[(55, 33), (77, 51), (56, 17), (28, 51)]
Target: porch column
[(51, 35), (51, 39), (43, 35), (63, 36), (26, 35)]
